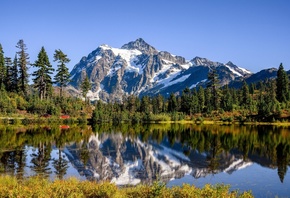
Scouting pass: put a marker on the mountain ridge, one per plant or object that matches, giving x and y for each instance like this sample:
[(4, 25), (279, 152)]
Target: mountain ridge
[(140, 69)]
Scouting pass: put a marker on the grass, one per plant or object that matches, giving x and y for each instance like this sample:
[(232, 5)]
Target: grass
[(39, 187)]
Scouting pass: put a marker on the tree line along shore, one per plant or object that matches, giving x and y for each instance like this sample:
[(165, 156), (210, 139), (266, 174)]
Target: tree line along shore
[(265, 101)]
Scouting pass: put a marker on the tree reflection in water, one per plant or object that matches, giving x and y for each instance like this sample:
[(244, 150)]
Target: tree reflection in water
[(209, 147)]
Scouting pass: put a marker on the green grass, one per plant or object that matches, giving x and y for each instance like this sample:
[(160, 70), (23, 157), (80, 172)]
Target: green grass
[(39, 187)]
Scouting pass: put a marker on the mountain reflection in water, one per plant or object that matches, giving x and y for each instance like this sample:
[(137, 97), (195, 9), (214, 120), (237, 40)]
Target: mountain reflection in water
[(131, 155)]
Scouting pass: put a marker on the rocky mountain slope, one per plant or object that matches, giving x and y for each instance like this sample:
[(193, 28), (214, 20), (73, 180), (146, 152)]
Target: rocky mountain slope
[(138, 68)]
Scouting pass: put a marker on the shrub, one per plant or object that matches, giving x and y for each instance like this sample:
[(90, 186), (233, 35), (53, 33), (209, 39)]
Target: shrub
[(160, 117), (40, 187)]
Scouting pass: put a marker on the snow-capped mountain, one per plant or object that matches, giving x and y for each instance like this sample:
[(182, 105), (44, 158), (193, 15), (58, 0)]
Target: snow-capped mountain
[(138, 68), (127, 161)]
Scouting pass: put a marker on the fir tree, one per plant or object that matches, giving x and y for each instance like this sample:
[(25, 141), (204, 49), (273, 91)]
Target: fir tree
[(85, 87), (208, 100), (172, 103), (42, 80), (2, 67), (282, 85), (160, 103), (252, 88), (201, 99), (226, 99), (14, 75), (131, 103), (145, 104), (8, 76), (273, 103), (186, 101), (62, 76), (245, 97), (195, 106), (23, 63), (213, 85)]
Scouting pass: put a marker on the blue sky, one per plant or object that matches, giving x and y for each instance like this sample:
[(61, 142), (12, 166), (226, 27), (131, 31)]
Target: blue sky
[(254, 34)]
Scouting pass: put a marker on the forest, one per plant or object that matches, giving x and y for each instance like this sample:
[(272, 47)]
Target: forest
[(265, 101)]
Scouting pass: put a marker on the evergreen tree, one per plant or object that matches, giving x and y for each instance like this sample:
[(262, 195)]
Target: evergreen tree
[(213, 85), (201, 99), (235, 97), (160, 103), (273, 103), (14, 76), (155, 105), (195, 106), (131, 103), (261, 86), (8, 76), (63, 76), (245, 97), (252, 88), (145, 106), (282, 85), (227, 99), (172, 103), (186, 101), (2, 67), (208, 100), (23, 63), (42, 80), (264, 105), (85, 87)]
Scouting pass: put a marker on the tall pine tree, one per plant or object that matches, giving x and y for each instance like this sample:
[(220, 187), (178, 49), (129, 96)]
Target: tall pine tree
[(2, 67), (213, 85), (62, 76), (42, 80), (23, 63), (226, 99), (172, 103), (8, 76), (85, 87), (186, 101), (245, 96), (201, 99), (14, 75), (282, 84)]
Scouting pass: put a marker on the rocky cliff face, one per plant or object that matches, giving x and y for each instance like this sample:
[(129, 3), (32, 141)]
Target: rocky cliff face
[(138, 68)]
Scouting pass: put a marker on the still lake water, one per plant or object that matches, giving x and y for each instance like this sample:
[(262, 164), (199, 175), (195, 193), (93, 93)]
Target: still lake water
[(248, 157)]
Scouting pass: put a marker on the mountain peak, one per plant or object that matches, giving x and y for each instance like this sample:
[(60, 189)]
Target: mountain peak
[(141, 45), (242, 71), (231, 64), (198, 61)]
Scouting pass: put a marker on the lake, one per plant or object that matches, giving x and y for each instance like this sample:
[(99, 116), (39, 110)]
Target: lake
[(246, 157)]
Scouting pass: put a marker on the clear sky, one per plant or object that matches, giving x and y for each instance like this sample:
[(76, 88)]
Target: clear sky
[(254, 34)]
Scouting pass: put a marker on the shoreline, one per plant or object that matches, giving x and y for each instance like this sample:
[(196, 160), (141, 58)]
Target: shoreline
[(55, 119)]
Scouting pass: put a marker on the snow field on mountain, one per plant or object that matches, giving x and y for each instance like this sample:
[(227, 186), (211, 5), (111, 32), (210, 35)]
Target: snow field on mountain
[(130, 56)]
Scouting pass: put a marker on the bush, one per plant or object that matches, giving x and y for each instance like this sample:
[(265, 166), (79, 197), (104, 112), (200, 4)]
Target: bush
[(160, 117), (39, 187)]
